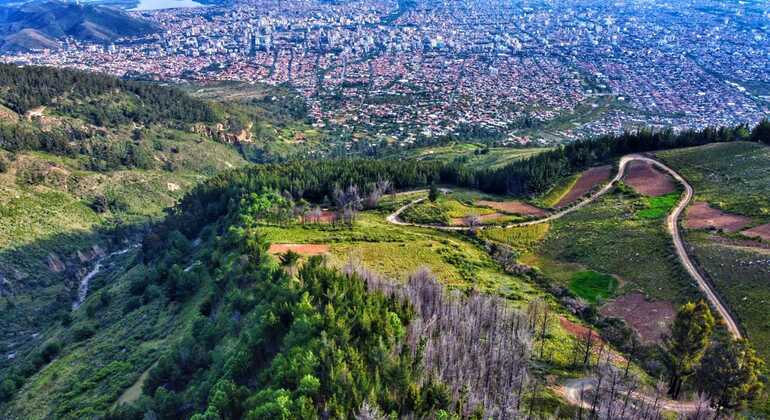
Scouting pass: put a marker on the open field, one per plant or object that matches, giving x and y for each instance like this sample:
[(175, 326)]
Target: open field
[(646, 179), (651, 319), (471, 154), (730, 176), (741, 275), (701, 215), (586, 182)]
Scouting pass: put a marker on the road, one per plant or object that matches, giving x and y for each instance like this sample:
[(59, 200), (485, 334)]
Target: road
[(672, 224), (573, 389)]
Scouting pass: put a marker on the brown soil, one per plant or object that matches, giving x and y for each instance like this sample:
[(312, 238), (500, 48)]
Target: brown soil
[(582, 332), (513, 207), (460, 221), (646, 179), (650, 319), (702, 216), (302, 249), (762, 232), (588, 180)]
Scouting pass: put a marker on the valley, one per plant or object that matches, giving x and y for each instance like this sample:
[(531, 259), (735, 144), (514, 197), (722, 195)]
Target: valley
[(209, 252)]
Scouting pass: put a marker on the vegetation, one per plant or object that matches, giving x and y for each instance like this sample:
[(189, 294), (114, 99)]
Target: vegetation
[(593, 286), (687, 343), (658, 207)]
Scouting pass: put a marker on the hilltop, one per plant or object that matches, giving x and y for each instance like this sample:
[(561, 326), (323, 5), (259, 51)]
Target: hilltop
[(40, 25)]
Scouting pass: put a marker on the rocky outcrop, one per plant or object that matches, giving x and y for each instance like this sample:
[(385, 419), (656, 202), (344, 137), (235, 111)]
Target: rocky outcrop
[(221, 134)]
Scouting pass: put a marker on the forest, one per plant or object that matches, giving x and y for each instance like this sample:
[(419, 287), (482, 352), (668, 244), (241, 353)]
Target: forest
[(77, 93)]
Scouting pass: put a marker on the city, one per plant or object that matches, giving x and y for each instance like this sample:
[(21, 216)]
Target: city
[(533, 72)]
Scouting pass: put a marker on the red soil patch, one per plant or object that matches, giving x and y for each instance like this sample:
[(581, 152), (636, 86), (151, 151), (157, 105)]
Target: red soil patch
[(702, 216), (762, 232), (460, 221), (581, 332), (302, 249), (646, 179), (587, 181), (513, 207), (576, 329), (649, 319)]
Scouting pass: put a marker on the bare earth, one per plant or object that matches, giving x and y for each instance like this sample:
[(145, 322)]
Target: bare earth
[(587, 181), (302, 249), (762, 232), (701, 215), (513, 207), (646, 179), (650, 319)]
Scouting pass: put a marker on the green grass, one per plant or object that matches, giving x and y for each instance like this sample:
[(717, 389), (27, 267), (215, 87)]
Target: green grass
[(607, 237), (731, 176), (658, 207), (558, 191), (471, 154), (593, 286), (521, 239), (740, 275)]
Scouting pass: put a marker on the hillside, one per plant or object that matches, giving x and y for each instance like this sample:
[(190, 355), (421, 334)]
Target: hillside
[(40, 25), (285, 291)]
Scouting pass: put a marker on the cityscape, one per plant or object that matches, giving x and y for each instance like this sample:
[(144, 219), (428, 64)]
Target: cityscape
[(528, 71)]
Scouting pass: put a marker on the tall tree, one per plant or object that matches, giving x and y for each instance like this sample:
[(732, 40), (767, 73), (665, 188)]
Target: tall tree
[(730, 374), (686, 343)]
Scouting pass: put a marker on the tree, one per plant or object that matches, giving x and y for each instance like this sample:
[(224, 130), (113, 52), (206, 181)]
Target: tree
[(730, 374), (761, 132), (686, 343), (433, 192)]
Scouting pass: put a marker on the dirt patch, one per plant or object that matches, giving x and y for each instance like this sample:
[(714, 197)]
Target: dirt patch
[(460, 221), (701, 215), (650, 319), (762, 232), (302, 249), (588, 180), (646, 179), (513, 207), (582, 332)]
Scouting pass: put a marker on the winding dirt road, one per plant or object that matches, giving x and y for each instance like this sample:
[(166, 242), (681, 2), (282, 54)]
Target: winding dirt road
[(672, 224)]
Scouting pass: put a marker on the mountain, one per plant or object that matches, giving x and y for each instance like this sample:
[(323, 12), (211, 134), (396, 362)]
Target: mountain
[(40, 25)]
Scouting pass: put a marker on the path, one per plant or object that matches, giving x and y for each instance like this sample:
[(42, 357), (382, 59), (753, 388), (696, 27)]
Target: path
[(574, 389), (672, 224)]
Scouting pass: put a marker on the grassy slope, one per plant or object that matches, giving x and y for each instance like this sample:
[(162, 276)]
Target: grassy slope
[(733, 177), (495, 157)]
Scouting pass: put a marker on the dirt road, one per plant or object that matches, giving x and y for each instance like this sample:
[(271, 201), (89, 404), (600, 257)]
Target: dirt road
[(672, 224)]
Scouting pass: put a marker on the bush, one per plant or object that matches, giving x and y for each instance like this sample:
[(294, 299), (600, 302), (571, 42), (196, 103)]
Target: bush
[(132, 304), (83, 332)]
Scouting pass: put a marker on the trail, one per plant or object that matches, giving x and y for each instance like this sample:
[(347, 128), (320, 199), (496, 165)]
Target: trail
[(86, 280), (672, 224), (574, 392)]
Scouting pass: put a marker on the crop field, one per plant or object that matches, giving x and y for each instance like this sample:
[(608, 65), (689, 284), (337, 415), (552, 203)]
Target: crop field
[(521, 239), (730, 176), (558, 191), (658, 207)]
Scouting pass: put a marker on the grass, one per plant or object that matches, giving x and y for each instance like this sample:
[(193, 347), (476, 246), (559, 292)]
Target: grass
[(521, 239), (740, 275), (730, 176), (474, 155), (593, 286), (658, 207), (607, 237), (558, 191)]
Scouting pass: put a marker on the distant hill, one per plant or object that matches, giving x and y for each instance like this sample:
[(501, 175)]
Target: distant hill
[(39, 25)]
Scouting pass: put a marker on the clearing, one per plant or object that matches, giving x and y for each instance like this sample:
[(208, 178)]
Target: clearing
[(701, 215), (762, 232), (650, 319), (513, 207), (302, 249), (646, 179), (587, 181)]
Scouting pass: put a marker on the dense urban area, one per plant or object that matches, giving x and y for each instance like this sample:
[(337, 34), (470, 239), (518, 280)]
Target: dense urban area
[(533, 72)]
